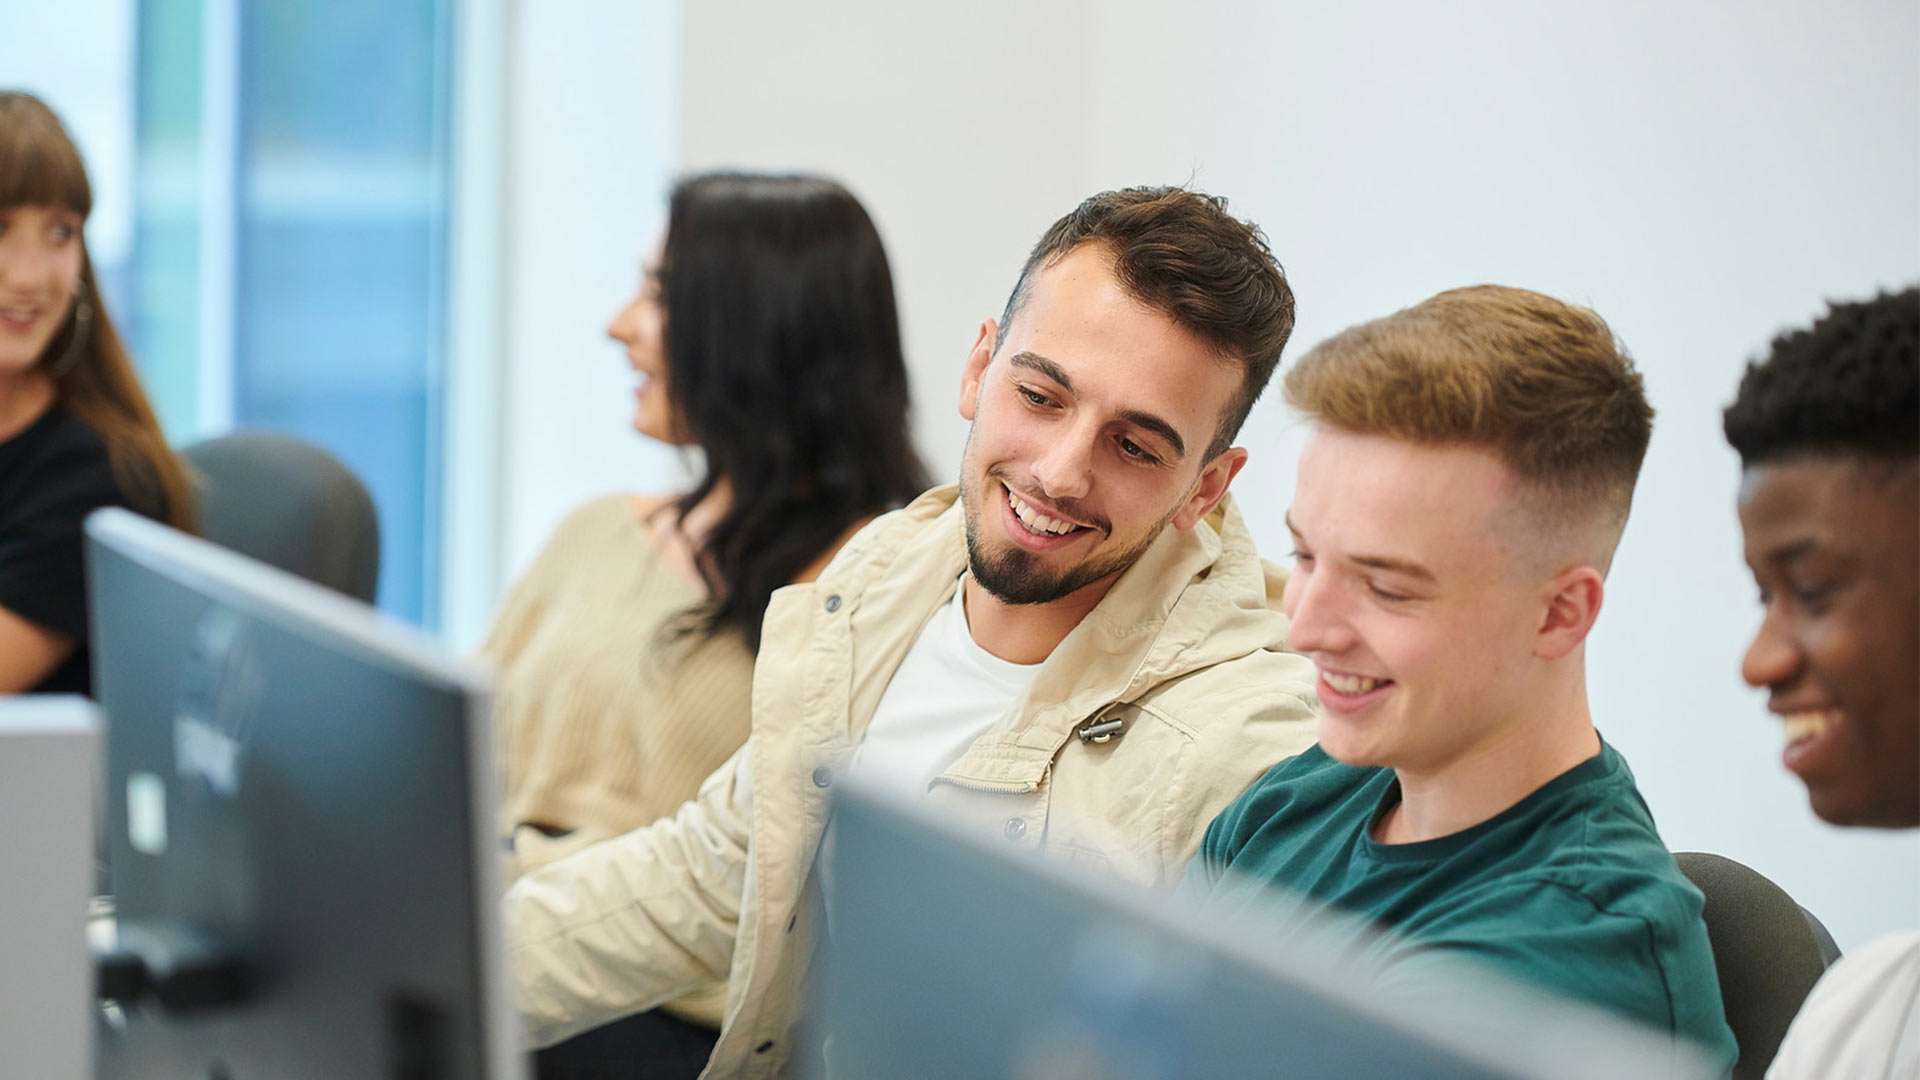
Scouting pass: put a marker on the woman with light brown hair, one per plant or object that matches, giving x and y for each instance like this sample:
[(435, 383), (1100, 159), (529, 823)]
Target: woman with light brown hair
[(76, 431)]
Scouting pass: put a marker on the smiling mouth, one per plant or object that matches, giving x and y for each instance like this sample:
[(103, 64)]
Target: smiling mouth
[(1036, 522), (1352, 685), (21, 315), (1799, 727)]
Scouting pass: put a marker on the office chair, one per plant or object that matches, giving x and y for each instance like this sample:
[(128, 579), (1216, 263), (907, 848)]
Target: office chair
[(289, 504), (1769, 951)]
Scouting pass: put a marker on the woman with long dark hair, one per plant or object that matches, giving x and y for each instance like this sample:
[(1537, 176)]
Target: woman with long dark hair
[(766, 338), (76, 432)]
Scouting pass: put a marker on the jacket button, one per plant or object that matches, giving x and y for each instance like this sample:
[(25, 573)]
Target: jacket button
[(763, 1047), (1016, 828), (822, 776), (833, 603)]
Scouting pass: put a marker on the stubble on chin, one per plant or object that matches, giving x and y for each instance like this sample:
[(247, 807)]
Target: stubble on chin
[(1013, 577), (1016, 576)]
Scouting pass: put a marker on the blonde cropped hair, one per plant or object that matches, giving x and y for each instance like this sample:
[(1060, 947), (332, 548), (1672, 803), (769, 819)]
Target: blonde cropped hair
[(1540, 383)]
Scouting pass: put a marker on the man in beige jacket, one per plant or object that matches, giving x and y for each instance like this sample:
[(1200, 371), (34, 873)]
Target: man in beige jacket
[(1077, 650)]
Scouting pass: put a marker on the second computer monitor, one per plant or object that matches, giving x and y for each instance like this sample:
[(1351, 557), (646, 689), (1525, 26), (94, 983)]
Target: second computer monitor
[(949, 958)]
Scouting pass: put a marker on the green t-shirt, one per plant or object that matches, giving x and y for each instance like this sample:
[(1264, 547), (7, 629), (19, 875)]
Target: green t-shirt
[(1571, 888)]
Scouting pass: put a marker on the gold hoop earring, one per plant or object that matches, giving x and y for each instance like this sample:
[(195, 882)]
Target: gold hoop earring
[(82, 323)]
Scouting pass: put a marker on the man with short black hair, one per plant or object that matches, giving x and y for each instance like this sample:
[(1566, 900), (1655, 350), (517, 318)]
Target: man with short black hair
[(1470, 470), (1072, 651), (1828, 430)]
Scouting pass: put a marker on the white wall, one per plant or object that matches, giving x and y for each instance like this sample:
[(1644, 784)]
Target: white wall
[(590, 134), (1702, 174), (77, 56), (928, 113)]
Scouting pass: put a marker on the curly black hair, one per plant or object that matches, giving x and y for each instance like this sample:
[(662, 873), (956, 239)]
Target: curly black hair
[(1850, 384)]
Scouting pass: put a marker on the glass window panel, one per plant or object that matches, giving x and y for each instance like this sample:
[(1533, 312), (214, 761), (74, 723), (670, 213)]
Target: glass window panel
[(339, 224), (162, 314)]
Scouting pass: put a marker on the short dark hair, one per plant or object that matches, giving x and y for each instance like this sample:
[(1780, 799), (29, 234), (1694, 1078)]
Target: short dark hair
[(1180, 253), (1850, 384)]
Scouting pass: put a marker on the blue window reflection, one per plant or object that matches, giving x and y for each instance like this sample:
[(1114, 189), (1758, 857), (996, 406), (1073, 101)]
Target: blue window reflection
[(338, 223)]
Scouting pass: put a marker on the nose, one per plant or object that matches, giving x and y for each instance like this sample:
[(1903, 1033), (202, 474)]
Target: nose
[(1773, 658), (1315, 620), (24, 264), (622, 327), (1065, 470)]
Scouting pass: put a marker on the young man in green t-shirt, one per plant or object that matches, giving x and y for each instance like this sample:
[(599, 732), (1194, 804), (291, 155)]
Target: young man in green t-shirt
[(1466, 480)]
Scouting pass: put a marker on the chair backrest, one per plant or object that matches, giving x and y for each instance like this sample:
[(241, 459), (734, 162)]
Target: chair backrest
[(1769, 951), (289, 504)]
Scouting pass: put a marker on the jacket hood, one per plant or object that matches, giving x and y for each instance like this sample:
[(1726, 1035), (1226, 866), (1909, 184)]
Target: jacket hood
[(1194, 599)]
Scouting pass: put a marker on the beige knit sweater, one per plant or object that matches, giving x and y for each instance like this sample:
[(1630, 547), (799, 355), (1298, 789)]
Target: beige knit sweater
[(604, 724)]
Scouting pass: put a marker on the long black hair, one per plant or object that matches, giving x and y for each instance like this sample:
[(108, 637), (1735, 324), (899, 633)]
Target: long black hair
[(785, 367)]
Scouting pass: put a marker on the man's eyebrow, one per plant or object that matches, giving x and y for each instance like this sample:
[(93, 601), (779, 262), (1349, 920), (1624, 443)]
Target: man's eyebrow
[(1044, 366), (1792, 553), (1150, 422), (1145, 421), (1393, 565), (1376, 562)]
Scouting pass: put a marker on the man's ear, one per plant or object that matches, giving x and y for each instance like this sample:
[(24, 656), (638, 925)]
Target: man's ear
[(1573, 603), (976, 369), (1210, 488)]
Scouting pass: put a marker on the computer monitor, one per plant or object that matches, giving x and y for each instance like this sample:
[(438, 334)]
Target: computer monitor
[(298, 818), (48, 747), (949, 957)]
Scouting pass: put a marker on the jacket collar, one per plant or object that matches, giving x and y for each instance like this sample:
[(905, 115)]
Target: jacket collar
[(1194, 599)]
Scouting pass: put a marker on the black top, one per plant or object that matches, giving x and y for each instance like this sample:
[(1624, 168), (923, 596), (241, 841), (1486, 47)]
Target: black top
[(52, 475)]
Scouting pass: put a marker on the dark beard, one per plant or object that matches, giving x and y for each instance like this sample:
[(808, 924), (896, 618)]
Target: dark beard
[(1015, 576)]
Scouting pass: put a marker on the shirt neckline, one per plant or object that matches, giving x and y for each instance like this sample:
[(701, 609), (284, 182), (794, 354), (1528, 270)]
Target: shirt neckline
[(47, 417), (1597, 767), (1005, 673)]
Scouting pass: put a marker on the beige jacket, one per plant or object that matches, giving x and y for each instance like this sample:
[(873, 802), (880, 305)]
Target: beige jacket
[(1187, 651)]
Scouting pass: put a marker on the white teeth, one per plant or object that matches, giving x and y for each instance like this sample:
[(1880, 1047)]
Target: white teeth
[(1805, 725), (1036, 521), (1350, 684)]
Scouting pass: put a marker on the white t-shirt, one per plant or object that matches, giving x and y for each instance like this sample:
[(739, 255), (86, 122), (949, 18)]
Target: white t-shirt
[(1862, 1020), (945, 694)]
